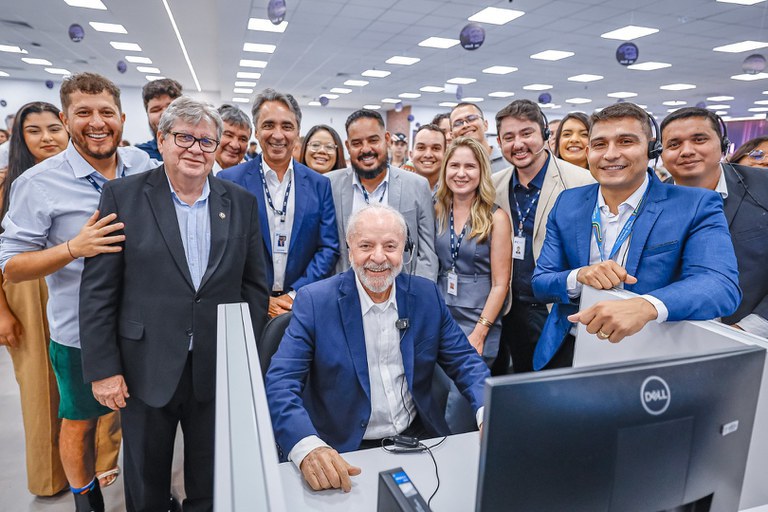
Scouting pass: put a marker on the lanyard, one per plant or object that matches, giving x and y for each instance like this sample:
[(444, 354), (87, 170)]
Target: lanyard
[(625, 232), (284, 211), (455, 244), (96, 185), (522, 217), (367, 198)]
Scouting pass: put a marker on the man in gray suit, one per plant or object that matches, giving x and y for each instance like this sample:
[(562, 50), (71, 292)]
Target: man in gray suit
[(371, 179)]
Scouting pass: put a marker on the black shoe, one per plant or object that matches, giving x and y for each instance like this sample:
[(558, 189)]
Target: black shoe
[(175, 506), (92, 501)]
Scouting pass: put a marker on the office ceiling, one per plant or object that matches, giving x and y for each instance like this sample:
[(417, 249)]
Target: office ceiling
[(327, 42)]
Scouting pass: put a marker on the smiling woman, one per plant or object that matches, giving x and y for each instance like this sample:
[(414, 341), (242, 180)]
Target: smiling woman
[(572, 138), (322, 150)]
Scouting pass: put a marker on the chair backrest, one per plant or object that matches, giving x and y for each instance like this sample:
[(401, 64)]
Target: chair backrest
[(270, 339)]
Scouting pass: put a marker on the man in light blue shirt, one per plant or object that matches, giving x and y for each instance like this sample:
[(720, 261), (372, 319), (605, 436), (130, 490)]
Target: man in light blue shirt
[(51, 226)]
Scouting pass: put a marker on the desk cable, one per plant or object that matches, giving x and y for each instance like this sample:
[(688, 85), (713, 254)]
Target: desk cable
[(405, 444)]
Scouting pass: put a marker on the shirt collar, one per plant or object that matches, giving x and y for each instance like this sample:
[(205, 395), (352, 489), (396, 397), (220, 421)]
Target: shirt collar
[(268, 171), (203, 195), (722, 187), (538, 180), (356, 180), (631, 202), (366, 303), (82, 168)]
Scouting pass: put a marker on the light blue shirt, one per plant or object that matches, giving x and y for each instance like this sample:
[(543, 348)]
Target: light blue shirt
[(49, 204), (195, 228)]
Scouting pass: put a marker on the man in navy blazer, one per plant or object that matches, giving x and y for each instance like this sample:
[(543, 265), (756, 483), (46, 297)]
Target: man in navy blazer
[(296, 212), (356, 363), (670, 244)]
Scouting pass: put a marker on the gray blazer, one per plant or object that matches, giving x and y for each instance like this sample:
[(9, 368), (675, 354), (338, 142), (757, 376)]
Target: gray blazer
[(410, 195)]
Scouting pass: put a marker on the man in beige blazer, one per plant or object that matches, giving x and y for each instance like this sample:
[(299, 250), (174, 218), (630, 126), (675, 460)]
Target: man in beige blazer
[(527, 190)]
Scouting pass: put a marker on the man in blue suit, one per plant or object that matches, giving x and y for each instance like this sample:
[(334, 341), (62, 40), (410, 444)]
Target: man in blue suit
[(296, 212), (669, 244), (356, 363)]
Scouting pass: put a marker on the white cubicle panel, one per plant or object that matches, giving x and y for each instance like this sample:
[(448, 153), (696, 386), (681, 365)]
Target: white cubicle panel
[(676, 339), (246, 475)]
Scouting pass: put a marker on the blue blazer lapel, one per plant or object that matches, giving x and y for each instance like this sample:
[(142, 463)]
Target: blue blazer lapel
[(219, 207), (404, 305), (352, 318), (301, 196), (644, 224), (582, 216), (252, 181)]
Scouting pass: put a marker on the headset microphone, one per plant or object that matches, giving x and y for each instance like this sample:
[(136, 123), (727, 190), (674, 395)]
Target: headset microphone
[(402, 323)]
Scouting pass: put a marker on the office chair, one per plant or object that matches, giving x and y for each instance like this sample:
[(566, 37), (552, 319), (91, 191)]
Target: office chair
[(270, 339)]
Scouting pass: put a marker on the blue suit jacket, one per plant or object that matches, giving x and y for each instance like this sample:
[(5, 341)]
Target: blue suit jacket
[(318, 381), (314, 245), (680, 252)]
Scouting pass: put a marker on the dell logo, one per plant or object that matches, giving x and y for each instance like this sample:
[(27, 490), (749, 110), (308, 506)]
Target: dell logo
[(655, 395)]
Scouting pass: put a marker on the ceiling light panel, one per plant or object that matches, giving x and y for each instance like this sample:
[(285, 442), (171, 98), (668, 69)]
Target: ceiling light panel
[(749, 77), (495, 16), (241, 100), (448, 104), (242, 90), (127, 47), (461, 80), (718, 107), (629, 33), (439, 42), (372, 107), (677, 87), (761, 102), (473, 99), (259, 48), (58, 71), (552, 55), (578, 101), (314, 103), (245, 84), (674, 103), (501, 94), (356, 83), (152, 78), (720, 98), (136, 59), (263, 25), (376, 73), (431, 88), (341, 90), (112, 28), (330, 96), (11, 49), (247, 63), (3, 73), (148, 69), (586, 77), (743, 46), (248, 74), (649, 66), (88, 4), (37, 62), (621, 94), (500, 70), (537, 87), (402, 61), (741, 2), (409, 95), (390, 100)]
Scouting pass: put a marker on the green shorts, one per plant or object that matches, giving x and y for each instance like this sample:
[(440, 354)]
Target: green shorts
[(76, 400)]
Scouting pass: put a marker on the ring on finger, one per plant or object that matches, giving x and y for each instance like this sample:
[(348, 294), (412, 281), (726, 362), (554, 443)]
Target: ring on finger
[(602, 335)]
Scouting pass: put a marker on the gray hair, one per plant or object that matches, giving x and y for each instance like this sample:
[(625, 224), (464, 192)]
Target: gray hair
[(377, 209), (230, 114), (190, 111), (272, 95)]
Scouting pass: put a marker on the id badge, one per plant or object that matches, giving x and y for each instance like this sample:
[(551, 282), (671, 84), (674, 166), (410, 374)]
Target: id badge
[(453, 284), (280, 244), (518, 247)]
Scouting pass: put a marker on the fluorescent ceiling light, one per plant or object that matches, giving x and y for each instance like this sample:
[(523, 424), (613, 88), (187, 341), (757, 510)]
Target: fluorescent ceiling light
[(391, 100), (127, 47), (135, 59), (372, 107), (761, 102), (314, 103), (461, 80), (746, 118), (629, 33), (747, 77), (88, 4), (58, 71), (578, 101), (11, 49), (500, 70), (718, 107), (113, 28), (621, 94), (182, 46), (765, 92), (649, 66), (720, 98), (677, 87), (674, 103), (259, 48), (266, 26), (330, 96), (148, 69), (376, 73), (341, 90), (439, 42), (409, 95), (586, 77), (495, 16), (670, 110), (552, 55), (245, 84), (238, 99), (242, 90), (743, 46), (3, 73), (644, 107), (741, 2), (248, 74), (431, 88), (356, 83), (758, 109), (152, 78), (473, 99), (402, 61), (500, 94), (537, 87), (721, 112), (548, 105), (448, 104), (37, 62), (246, 63)]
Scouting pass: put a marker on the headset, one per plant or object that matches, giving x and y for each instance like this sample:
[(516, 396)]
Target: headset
[(725, 142), (654, 146), (546, 133)]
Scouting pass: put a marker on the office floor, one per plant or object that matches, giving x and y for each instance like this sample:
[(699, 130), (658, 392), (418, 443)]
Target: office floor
[(14, 495)]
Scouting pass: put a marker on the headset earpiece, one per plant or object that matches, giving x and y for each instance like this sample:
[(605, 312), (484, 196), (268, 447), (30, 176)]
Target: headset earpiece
[(654, 146), (546, 132), (725, 142)]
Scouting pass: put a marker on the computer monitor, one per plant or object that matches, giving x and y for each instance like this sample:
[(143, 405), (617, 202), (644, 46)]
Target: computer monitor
[(656, 435)]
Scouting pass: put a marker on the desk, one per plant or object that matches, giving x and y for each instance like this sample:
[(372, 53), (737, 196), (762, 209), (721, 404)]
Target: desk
[(457, 460)]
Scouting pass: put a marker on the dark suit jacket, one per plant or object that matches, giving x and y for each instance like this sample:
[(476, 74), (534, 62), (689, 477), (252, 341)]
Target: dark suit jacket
[(140, 306), (680, 252), (314, 245), (318, 381), (747, 215)]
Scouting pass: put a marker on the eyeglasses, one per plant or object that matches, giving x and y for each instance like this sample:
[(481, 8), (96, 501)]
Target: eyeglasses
[(471, 118), (186, 141), (757, 154), (314, 147)]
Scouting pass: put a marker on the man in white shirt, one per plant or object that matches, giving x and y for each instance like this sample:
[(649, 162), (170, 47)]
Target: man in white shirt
[(356, 363)]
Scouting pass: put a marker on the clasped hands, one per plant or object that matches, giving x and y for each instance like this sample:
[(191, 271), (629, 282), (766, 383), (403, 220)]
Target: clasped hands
[(612, 320)]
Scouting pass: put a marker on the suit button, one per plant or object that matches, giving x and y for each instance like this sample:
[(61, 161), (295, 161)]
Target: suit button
[(362, 424), (189, 332), (197, 300)]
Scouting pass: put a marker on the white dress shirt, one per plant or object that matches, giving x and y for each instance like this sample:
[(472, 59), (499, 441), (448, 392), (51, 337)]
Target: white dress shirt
[(379, 195), (611, 227), (277, 190)]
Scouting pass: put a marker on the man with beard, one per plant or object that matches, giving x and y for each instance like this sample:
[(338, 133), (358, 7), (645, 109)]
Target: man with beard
[(51, 226), (371, 180), (428, 153), (234, 138), (356, 363), (157, 95)]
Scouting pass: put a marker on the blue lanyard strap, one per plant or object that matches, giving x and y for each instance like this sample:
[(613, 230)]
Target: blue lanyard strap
[(282, 213), (367, 197), (625, 232), (455, 243), (521, 218), (95, 185)]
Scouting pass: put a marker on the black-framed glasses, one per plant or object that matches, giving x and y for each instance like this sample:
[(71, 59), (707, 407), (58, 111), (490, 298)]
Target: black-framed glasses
[(757, 154), (314, 147), (471, 118), (186, 141)]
